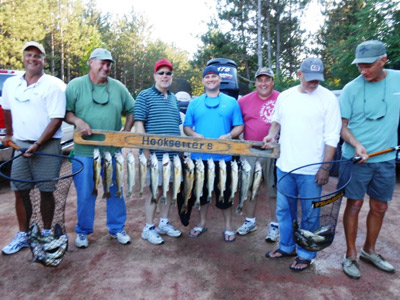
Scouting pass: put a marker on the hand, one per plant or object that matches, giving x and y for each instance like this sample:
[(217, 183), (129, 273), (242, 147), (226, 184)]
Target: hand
[(322, 176), (83, 128), (360, 151), (267, 142), (225, 137), (6, 141)]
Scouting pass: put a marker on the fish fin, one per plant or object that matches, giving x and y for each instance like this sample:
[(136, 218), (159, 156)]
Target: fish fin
[(107, 195)]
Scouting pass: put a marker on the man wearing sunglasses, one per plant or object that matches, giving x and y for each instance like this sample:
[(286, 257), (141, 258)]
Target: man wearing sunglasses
[(156, 112), (97, 101), (34, 107), (214, 115), (370, 115)]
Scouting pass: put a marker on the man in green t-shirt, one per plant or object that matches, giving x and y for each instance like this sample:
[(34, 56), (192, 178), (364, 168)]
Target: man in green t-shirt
[(96, 101)]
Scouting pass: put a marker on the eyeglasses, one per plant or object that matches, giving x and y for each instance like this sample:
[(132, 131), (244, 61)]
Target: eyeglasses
[(376, 112), (169, 73), (213, 105), (100, 102)]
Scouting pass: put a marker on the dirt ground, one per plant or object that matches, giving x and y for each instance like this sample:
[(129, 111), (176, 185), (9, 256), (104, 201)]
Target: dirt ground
[(190, 268)]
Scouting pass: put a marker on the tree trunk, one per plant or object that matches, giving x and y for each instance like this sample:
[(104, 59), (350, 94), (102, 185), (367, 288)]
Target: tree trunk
[(278, 40), (259, 38)]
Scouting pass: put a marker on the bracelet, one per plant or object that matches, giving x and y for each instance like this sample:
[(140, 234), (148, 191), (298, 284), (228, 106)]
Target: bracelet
[(38, 144), (229, 135), (325, 169)]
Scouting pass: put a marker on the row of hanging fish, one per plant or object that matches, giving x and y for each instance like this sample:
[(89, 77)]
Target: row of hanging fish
[(193, 174)]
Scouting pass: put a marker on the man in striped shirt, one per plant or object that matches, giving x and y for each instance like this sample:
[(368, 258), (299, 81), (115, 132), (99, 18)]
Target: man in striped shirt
[(156, 112)]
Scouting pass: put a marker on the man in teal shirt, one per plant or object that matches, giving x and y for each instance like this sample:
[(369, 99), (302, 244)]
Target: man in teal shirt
[(96, 101), (370, 116)]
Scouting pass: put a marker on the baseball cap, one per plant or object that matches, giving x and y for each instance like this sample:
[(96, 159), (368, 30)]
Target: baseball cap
[(313, 69), (210, 70), (264, 71), (369, 51), (163, 63), (102, 54), (34, 44)]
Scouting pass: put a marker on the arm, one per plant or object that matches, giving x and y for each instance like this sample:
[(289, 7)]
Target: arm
[(190, 132), (234, 133), (270, 137), (128, 123), (322, 176), (81, 126), (348, 137)]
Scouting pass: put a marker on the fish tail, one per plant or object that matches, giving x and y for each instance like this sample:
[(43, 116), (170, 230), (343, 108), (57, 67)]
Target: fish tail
[(94, 192), (107, 195)]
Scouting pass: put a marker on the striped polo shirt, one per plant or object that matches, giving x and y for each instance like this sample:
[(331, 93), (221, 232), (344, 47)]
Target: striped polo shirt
[(159, 114)]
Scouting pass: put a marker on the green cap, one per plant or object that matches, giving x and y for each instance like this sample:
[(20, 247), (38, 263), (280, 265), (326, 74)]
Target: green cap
[(102, 54), (369, 51)]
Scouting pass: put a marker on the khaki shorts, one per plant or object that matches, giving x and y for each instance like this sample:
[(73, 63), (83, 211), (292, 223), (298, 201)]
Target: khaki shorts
[(268, 169)]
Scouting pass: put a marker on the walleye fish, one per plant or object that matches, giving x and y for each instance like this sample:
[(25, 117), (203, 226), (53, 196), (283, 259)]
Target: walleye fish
[(142, 173), (210, 178), (244, 184), (312, 241), (176, 185), (131, 172), (119, 173), (257, 177), (108, 171), (199, 182), (154, 173), (96, 169), (222, 180), (234, 179), (166, 169), (188, 183)]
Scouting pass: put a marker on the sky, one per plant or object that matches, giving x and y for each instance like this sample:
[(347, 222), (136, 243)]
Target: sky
[(181, 21)]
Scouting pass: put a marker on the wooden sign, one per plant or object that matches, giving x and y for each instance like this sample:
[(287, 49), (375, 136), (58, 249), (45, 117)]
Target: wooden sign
[(176, 143)]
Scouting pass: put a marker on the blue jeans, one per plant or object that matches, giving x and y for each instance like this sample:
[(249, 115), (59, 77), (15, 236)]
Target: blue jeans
[(286, 209), (84, 184)]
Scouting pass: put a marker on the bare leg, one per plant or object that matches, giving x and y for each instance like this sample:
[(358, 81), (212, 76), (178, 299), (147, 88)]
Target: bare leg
[(374, 223), (47, 206), (350, 223), (149, 209), (21, 212), (24, 195), (251, 208)]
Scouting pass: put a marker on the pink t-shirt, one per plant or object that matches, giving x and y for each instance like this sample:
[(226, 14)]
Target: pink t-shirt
[(257, 115)]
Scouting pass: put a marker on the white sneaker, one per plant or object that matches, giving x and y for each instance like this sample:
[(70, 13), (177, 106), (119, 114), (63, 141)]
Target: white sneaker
[(246, 228), (152, 236), (81, 240), (168, 229), (122, 237), (273, 232), (19, 241)]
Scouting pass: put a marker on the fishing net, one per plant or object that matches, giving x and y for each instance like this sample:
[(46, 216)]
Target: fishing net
[(43, 181), (319, 210)]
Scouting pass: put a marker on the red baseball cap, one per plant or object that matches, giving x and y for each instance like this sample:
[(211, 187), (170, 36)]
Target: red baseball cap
[(163, 63)]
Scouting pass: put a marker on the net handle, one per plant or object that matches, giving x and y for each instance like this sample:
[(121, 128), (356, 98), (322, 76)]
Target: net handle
[(395, 148)]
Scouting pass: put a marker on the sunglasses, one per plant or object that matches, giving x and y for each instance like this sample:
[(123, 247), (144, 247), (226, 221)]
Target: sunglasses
[(169, 73), (100, 102)]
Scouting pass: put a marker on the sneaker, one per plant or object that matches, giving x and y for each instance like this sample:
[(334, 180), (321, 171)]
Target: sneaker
[(152, 236), (20, 241), (168, 229), (46, 232), (246, 228), (377, 260), (122, 237), (351, 268), (273, 232), (81, 240)]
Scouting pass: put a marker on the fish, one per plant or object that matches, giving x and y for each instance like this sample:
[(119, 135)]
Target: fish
[(108, 172), (166, 169), (222, 180), (142, 173), (244, 184), (119, 173), (313, 241), (257, 177), (154, 173), (199, 182), (234, 179), (96, 169), (131, 172), (188, 183), (177, 179), (210, 178)]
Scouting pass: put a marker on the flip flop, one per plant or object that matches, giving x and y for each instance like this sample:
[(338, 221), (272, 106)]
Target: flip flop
[(301, 261), (197, 231), (228, 234), (281, 252)]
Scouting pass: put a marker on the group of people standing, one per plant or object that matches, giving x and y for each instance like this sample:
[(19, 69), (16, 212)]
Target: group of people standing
[(307, 121)]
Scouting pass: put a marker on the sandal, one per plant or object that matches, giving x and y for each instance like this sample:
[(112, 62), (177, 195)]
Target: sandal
[(197, 231), (300, 261), (227, 236), (281, 252)]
